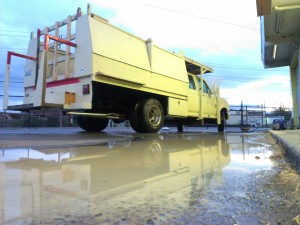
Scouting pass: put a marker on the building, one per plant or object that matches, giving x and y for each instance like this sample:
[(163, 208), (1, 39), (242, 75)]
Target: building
[(280, 39), (253, 118)]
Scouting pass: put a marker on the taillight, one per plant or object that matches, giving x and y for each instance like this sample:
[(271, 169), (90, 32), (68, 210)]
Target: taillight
[(86, 89)]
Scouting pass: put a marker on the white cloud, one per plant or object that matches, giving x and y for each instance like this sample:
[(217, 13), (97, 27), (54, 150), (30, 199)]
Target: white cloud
[(272, 91), (206, 25)]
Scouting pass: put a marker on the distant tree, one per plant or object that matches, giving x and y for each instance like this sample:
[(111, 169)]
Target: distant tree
[(282, 111)]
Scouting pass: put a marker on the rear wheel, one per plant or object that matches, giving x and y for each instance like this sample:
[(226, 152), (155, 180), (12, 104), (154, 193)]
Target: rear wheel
[(179, 127), (133, 119), (150, 115), (92, 124)]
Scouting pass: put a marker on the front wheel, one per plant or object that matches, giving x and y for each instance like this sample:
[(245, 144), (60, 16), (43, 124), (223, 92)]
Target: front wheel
[(134, 118), (221, 126), (179, 127)]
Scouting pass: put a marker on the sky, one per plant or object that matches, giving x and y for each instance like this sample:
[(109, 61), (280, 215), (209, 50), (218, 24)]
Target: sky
[(224, 35)]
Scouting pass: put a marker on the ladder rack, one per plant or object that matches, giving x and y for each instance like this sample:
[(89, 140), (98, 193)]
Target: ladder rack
[(42, 63)]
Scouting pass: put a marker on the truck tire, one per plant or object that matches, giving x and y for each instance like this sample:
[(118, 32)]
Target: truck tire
[(150, 115), (133, 118), (221, 127), (92, 124), (179, 127)]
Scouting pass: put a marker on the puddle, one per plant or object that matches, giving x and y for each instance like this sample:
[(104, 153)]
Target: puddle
[(163, 179)]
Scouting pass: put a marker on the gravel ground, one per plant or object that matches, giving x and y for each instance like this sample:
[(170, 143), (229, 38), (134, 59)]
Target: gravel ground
[(271, 196)]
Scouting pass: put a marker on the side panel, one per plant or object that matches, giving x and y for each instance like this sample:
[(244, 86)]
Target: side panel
[(29, 79), (168, 64), (177, 107), (83, 57), (122, 59), (169, 72), (104, 67), (119, 54)]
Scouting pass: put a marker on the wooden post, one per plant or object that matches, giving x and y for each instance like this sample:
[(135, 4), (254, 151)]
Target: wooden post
[(55, 58), (37, 62), (6, 86), (67, 62), (45, 65)]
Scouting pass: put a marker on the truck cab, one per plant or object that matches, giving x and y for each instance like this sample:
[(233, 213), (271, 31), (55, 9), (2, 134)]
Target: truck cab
[(208, 99)]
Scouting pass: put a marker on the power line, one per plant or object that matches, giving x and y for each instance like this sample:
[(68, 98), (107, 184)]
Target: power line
[(240, 79), (15, 31), (14, 35), (13, 82), (201, 17), (15, 60), (3, 48), (232, 66), (16, 96), (237, 67)]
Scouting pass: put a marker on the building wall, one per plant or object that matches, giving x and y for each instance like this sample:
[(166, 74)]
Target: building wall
[(295, 86), (298, 86), (252, 119)]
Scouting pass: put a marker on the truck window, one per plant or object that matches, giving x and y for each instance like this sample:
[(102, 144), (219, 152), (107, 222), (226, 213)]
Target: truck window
[(205, 88), (191, 83)]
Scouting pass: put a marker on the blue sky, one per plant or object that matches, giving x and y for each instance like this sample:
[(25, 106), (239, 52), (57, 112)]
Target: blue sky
[(224, 35)]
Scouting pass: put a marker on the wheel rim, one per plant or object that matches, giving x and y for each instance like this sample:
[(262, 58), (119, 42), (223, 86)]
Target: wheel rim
[(153, 156), (154, 116), (154, 152)]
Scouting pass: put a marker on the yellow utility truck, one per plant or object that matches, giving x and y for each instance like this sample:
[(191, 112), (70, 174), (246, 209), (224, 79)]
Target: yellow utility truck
[(100, 72)]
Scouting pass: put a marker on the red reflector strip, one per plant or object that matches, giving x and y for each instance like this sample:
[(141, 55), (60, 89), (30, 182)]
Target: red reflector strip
[(62, 82)]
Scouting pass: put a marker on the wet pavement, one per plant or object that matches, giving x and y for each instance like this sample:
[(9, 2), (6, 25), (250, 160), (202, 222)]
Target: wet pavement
[(120, 177)]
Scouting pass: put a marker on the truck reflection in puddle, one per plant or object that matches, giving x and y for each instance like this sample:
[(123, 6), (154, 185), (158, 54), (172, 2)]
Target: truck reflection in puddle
[(108, 181)]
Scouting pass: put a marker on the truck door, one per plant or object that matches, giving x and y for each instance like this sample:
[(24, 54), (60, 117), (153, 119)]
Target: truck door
[(209, 102), (193, 97)]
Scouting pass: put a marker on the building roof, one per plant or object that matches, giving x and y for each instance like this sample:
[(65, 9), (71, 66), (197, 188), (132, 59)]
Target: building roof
[(280, 31)]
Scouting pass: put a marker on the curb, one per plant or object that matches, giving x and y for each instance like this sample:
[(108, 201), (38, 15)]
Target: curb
[(291, 153)]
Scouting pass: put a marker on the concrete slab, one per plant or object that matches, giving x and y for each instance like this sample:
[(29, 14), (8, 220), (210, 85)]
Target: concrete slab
[(290, 141)]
